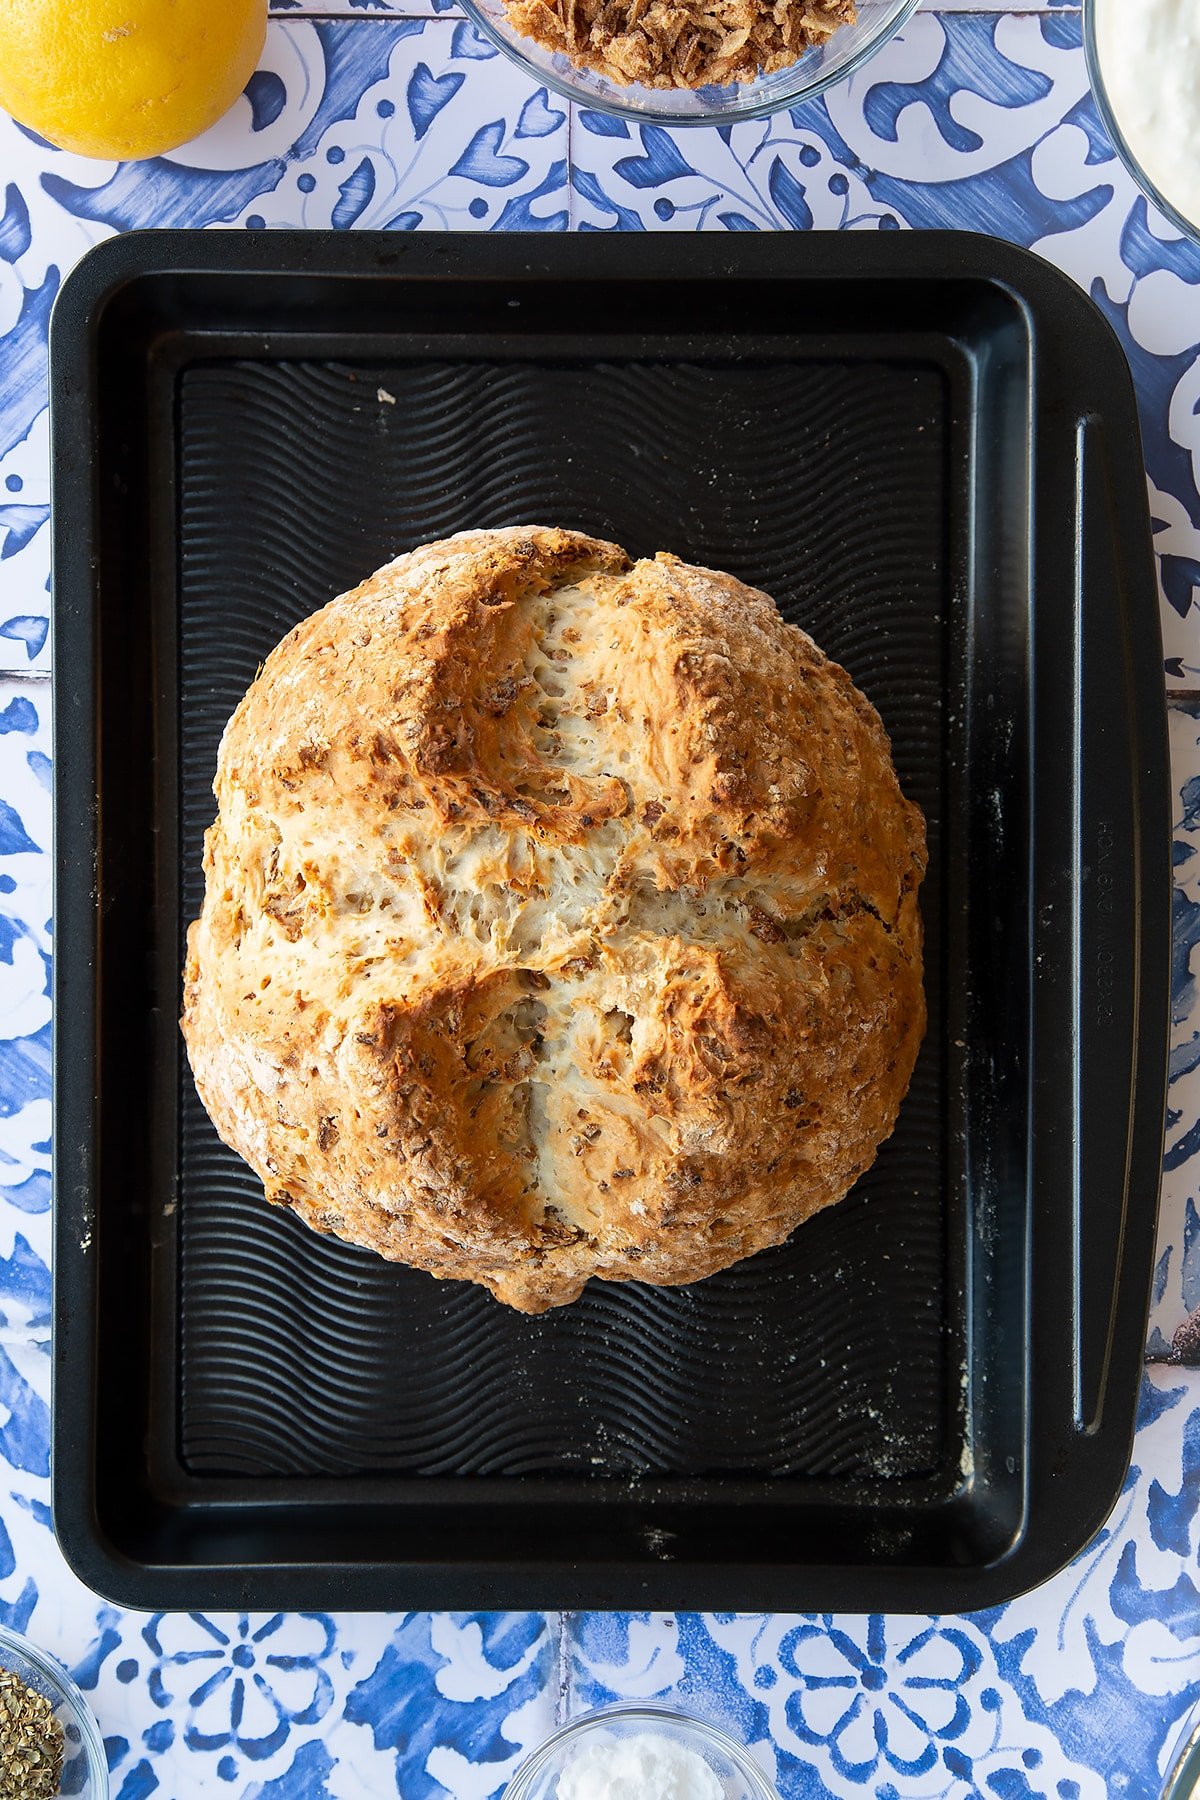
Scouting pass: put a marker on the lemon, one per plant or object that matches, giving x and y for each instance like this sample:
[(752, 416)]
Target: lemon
[(126, 78)]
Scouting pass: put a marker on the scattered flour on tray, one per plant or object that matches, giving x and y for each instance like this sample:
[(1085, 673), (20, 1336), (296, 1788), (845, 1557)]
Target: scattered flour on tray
[(646, 1767)]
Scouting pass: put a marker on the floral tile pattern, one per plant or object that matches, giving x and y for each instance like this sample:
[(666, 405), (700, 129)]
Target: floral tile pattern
[(408, 166), (1076, 1691), (288, 1706), (376, 113), (364, 9), (25, 946), (778, 174), (913, 139), (1175, 1302)]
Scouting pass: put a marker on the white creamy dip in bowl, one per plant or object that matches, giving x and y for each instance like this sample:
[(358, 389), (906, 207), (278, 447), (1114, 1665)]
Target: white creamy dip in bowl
[(1144, 65), (639, 1752)]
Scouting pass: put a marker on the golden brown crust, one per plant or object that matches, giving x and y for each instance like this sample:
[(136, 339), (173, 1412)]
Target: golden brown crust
[(560, 920)]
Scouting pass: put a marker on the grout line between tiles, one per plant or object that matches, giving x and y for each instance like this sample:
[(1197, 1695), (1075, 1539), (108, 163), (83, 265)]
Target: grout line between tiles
[(24, 675)]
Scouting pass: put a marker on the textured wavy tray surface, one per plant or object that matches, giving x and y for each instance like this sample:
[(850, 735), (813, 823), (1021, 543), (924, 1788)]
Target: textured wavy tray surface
[(823, 482)]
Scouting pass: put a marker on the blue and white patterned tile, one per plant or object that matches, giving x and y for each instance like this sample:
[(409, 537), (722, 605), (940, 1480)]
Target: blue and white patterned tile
[(925, 126), (317, 1706), (1175, 1301), (37, 244), (379, 123), (775, 175), (25, 549), (943, 105), (29, 1561), (446, 134), (363, 9), (25, 943), (989, 6), (1076, 1690)]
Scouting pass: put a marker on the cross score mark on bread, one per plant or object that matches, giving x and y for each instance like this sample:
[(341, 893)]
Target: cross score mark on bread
[(561, 920)]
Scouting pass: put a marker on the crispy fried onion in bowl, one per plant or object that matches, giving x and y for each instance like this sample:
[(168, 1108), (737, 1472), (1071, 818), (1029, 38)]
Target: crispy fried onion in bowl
[(680, 43)]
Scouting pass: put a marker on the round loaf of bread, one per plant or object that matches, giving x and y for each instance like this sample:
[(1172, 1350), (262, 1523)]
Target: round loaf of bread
[(561, 920)]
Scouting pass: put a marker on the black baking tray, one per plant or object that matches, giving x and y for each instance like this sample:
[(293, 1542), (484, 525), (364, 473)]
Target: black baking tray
[(925, 447)]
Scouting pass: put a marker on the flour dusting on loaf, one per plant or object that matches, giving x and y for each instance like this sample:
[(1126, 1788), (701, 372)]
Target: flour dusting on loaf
[(560, 920)]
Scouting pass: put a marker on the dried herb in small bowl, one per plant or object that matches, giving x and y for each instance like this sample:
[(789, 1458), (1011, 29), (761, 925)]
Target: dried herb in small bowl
[(31, 1742)]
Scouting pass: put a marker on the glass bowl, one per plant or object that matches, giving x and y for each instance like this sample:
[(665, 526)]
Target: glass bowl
[(85, 1768), (840, 56), (1188, 228), (740, 1778), (1183, 1771)]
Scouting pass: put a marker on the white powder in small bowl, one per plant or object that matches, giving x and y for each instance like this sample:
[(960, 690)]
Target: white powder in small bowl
[(646, 1767)]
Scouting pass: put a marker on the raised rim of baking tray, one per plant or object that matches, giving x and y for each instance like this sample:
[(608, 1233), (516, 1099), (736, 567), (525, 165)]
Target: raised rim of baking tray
[(1086, 1071)]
